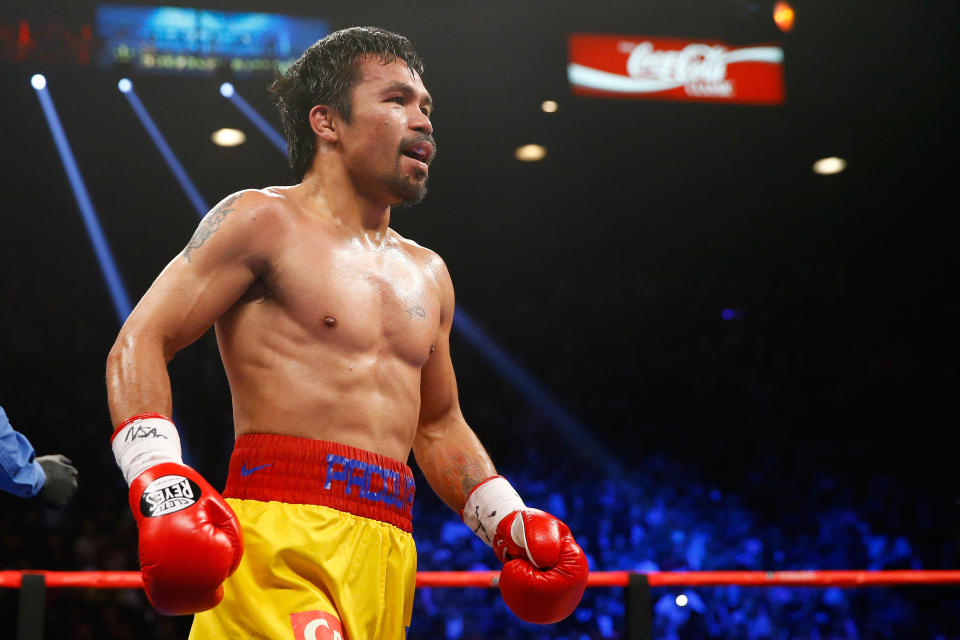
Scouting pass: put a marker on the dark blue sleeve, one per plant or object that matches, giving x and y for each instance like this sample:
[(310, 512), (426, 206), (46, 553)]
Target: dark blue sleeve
[(20, 473)]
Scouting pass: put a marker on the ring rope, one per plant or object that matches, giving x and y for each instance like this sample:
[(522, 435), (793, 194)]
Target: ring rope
[(487, 579)]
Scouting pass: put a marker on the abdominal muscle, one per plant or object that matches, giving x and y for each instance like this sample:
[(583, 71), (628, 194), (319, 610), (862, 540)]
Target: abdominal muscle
[(290, 381)]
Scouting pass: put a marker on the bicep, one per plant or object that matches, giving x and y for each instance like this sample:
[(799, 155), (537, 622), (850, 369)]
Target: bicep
[(186, 299), (438, 382), (216, 267), (438, 386)]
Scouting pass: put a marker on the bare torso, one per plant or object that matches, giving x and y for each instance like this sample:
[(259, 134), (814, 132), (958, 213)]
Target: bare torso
[(331, 326), (330, 340)]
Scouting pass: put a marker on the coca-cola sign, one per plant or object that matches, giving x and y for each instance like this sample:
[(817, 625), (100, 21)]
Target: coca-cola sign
[(671, 69)]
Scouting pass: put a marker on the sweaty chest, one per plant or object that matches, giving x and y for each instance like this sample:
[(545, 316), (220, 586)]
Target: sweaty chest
[(367, 302)]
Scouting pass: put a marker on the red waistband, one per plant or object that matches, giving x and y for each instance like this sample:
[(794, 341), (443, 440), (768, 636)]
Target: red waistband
[(303, 471)]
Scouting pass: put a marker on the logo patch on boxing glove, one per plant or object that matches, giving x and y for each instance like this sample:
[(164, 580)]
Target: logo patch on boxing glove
[(168, 494)]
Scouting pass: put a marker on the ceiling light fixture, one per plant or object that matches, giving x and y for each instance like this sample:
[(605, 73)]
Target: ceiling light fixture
[(784, 15), (829, 166), (227, 137), (530, 153)]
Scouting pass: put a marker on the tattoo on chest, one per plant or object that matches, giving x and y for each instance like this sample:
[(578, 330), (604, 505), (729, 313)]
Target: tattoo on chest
[(209, 225), (417, 312)]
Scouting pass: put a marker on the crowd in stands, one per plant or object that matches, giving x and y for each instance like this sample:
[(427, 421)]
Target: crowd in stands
[(747, 471), (660, 515)]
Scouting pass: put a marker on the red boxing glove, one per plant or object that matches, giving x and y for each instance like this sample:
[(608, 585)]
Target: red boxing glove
[(190, 539), (545, 570)]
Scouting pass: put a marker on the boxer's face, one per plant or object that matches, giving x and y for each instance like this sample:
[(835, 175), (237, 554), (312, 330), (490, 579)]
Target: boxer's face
[(388, 144)]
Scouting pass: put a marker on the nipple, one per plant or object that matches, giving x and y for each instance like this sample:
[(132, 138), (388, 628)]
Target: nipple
[(330, 321)]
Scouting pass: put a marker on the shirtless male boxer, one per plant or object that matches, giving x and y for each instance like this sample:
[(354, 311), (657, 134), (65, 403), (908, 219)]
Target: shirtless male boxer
[(334, 333)]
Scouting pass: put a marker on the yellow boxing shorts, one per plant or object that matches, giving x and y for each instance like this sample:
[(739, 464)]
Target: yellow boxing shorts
[(328, 553)]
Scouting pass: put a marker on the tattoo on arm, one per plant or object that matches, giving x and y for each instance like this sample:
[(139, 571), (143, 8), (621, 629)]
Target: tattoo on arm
[(461, 474), (209, 225)]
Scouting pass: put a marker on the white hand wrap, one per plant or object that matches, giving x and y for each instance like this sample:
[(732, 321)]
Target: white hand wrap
[(487, 504), (143, 441)]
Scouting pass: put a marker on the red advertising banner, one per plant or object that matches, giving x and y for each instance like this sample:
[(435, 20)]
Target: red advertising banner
[(672, 69)]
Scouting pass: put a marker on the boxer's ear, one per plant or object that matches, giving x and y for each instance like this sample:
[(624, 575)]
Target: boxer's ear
[(325, 122)]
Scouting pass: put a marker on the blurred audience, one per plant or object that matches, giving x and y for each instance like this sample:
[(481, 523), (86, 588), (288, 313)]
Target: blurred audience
[(778, 439), (660, 516)]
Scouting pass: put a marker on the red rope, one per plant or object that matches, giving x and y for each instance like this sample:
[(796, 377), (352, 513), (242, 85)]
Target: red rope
[(131, 579), (802, 578), (85, 579)]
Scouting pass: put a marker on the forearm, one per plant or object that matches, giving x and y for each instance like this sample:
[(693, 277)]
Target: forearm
[(137, 378), (545, 572), (452, 459)]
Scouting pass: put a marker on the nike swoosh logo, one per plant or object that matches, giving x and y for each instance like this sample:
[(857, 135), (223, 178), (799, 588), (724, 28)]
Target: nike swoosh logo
[(244, 471)]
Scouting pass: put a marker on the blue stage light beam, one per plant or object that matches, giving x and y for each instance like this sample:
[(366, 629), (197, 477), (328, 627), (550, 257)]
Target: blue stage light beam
[(535, 393), (108, 267), (569, 426), (229, 92), (168, 155)]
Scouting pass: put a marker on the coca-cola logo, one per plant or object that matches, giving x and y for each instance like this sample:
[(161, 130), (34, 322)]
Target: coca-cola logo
[(701, 69), (675, 69), (693, 63)]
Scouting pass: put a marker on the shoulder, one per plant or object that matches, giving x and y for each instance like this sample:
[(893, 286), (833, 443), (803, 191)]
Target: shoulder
[(428, 259), (266, 207), (435, 269), (245, 222), (256, 211)]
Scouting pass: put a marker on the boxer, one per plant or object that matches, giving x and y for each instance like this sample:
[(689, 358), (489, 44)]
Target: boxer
[(334, 333)]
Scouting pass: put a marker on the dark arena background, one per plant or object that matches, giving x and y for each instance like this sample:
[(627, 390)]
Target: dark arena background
[(672, 332)]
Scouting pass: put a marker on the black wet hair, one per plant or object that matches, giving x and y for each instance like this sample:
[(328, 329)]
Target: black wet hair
[(326, 74)]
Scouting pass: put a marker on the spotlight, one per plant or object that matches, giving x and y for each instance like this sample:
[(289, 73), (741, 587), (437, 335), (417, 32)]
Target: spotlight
[(681, 600), (227, 137), (108, 267), (124, 85), (828, 166), (226, 90), (189, 189), (256, 119), (549, 106), (530, 153), (783, 15)]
